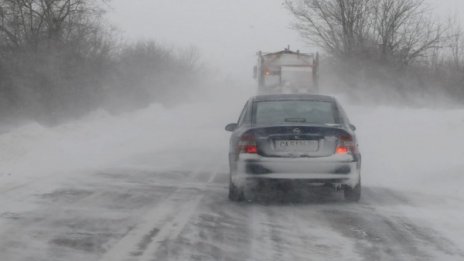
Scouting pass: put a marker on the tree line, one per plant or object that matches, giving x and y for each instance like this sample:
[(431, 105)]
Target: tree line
[(59, 59), (396, 47)]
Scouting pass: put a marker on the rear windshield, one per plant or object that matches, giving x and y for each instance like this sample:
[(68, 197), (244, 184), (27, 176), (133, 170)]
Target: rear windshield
[(288, 112)]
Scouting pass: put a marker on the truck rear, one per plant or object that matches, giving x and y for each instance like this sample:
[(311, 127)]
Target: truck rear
[(287, 72)]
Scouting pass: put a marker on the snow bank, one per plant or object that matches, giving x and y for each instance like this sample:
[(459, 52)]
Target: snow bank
[(412, 149), (104, 141), (418, 154)]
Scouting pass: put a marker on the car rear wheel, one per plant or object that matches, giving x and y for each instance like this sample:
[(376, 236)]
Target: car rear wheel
[(353, 194), (235, 193)]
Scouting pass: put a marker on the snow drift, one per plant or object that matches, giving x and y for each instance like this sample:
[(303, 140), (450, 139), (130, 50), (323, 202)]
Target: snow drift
[(403, 148)]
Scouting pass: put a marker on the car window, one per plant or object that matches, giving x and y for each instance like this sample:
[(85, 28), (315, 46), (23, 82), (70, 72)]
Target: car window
[(343, 115), (304, 111), (242, 117)]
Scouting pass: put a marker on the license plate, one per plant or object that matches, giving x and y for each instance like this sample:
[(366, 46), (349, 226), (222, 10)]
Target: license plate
[(297, 145)]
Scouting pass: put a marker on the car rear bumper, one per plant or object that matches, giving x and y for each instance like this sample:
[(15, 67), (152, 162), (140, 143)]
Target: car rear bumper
[(337, 169)]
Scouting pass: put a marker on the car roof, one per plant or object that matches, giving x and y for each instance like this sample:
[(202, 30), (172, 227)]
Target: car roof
[(283, 97)]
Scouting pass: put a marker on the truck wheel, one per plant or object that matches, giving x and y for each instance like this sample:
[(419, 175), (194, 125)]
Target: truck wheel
[(353, 194), (235, 193)]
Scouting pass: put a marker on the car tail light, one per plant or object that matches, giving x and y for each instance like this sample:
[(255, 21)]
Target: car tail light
[(342, 150), (247, 144), (346, 145)]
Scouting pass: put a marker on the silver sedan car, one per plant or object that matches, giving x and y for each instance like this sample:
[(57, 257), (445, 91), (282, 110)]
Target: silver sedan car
[(295, 137)]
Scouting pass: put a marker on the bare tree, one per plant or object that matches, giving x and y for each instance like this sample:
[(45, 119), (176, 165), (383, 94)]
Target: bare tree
[(405, 30), (387, 29), (52, 53), (340, 27), (454, 46), (32, 23), (58, 59)]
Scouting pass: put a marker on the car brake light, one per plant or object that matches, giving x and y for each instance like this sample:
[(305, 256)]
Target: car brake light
[(342, 150), (250, 149), (345, 145), (247, 144)]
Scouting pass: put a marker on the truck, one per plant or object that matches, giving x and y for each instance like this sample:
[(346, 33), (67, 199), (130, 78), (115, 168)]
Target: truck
[(287, 71)]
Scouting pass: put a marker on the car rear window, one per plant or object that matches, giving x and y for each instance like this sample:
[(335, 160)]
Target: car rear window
[(288, 112)]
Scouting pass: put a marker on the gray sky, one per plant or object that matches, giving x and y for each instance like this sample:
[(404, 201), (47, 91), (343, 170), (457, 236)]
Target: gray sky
[(227, 32)]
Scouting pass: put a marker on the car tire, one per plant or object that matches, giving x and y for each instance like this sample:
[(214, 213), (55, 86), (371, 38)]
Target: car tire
[(353, 194), (235, 193)]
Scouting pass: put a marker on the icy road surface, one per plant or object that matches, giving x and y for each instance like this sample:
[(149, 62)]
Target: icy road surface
[(153, 186)]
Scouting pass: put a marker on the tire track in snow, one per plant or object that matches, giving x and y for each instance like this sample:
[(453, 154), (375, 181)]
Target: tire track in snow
[(6, 188), (219, 230), (14, 186), (262, 247), (163, 223), (315, 237), (387, 235), (170, 230)]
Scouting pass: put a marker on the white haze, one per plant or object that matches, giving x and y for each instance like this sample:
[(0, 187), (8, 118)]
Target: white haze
[(418, 152)]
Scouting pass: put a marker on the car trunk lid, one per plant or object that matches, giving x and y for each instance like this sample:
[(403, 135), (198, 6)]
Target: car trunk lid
[(297, 141)]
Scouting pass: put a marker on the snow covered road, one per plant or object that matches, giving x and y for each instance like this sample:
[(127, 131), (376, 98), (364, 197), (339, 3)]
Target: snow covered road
[(185, 215), (137, 187)]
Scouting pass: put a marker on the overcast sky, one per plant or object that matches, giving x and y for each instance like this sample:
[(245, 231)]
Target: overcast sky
[(227, 32)]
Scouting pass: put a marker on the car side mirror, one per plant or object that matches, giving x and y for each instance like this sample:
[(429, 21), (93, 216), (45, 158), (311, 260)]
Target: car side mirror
[(231, 127), (352, 127)]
